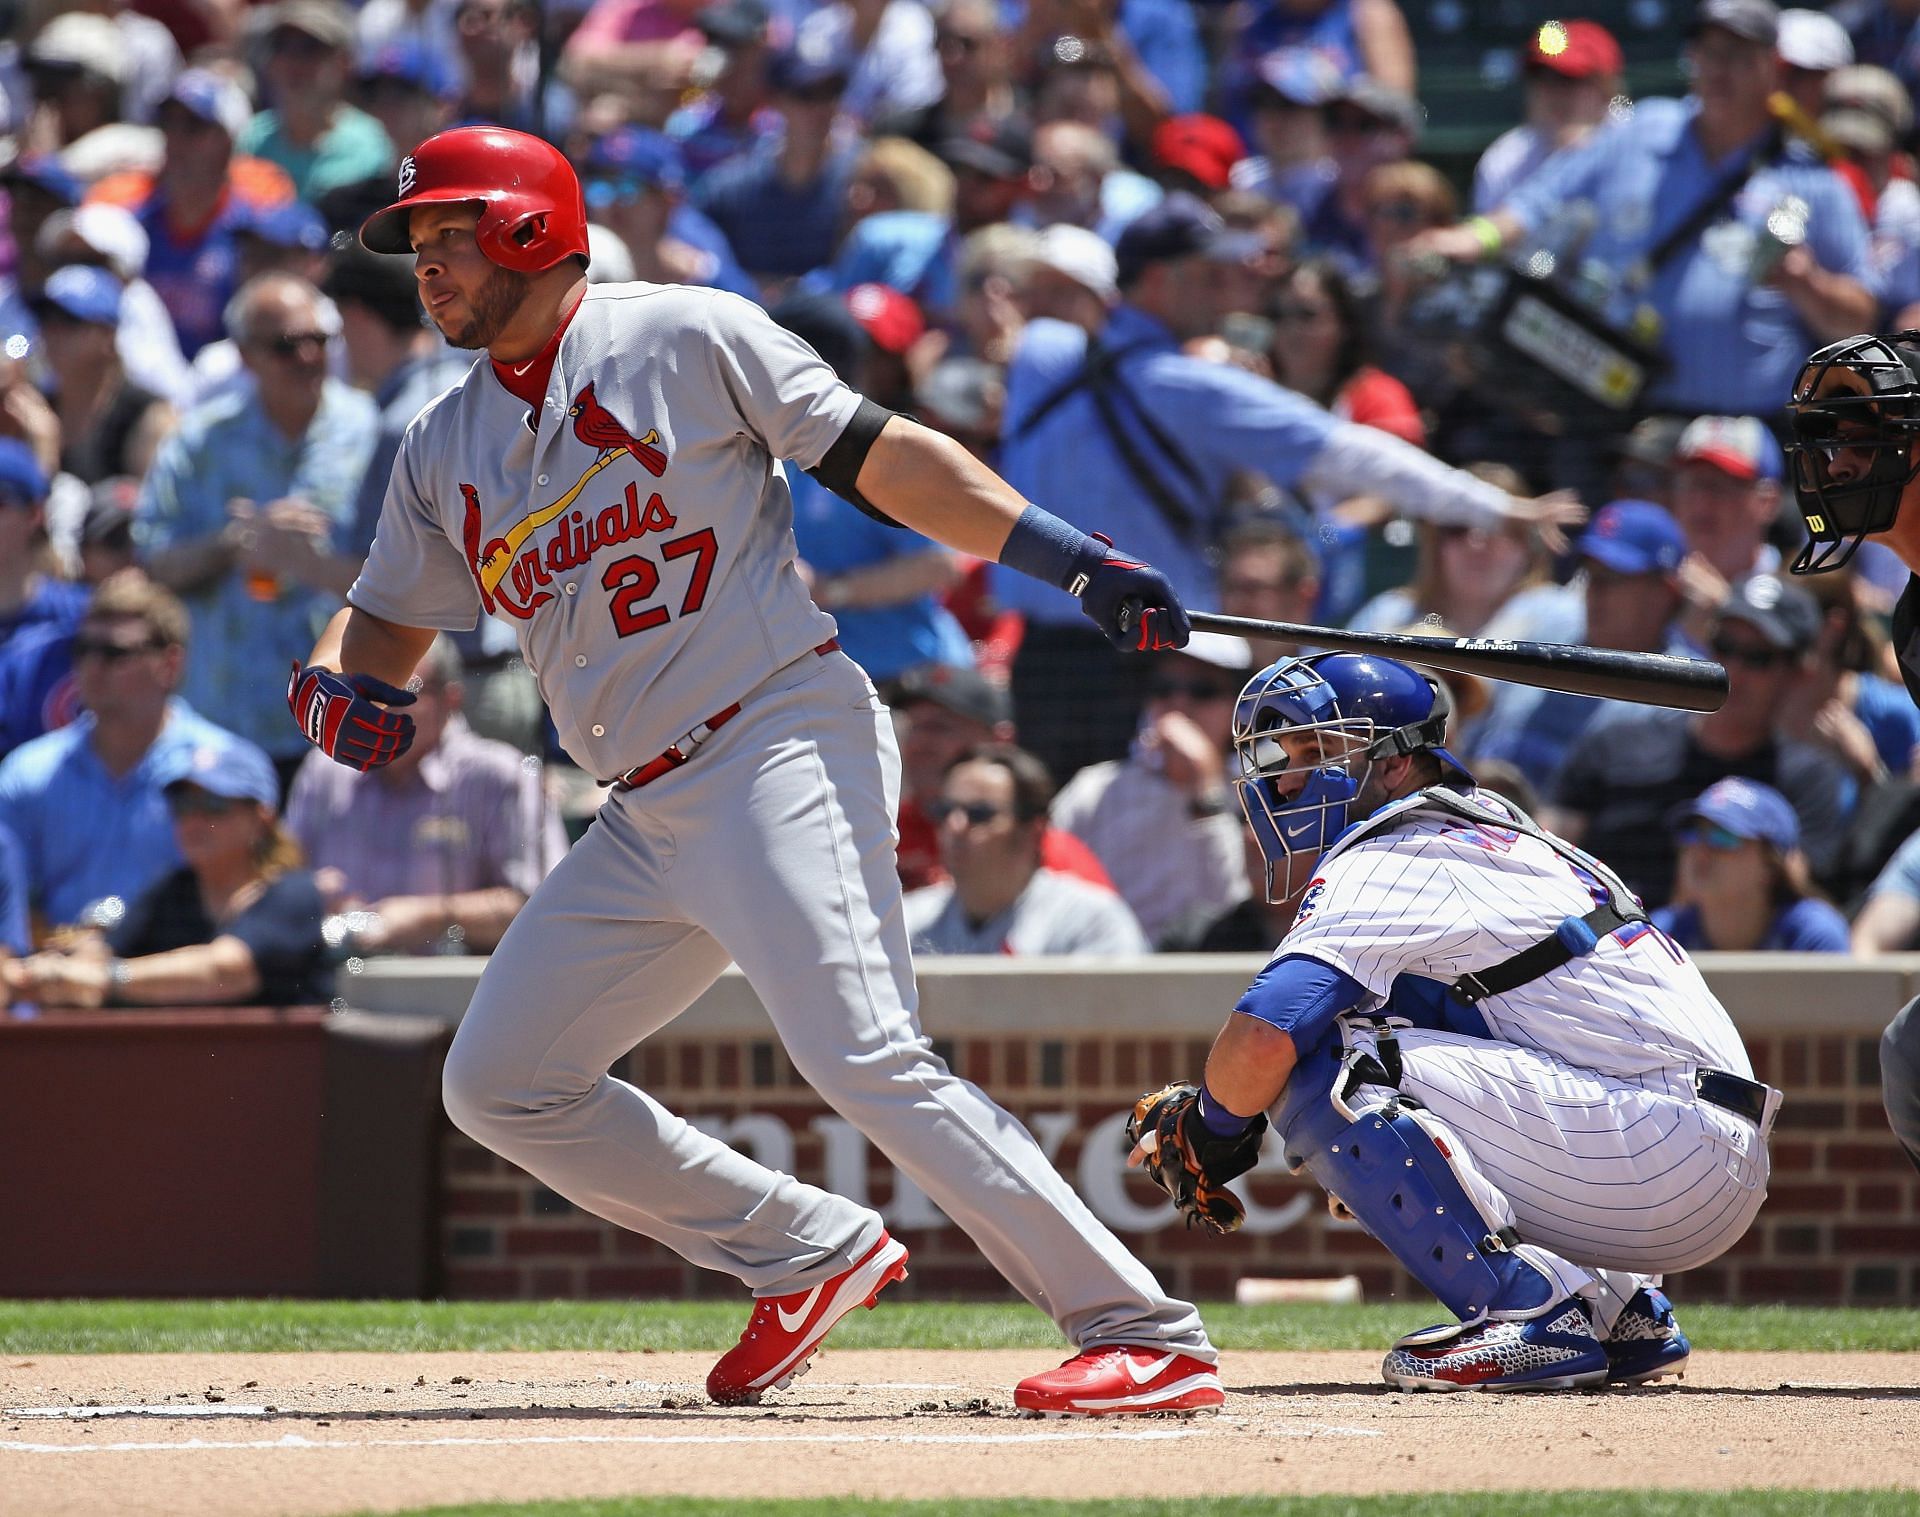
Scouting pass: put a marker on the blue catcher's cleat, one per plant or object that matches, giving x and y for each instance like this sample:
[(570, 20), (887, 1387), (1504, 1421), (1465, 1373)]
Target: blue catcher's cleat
[(1646, 1342), (1553, 1351)]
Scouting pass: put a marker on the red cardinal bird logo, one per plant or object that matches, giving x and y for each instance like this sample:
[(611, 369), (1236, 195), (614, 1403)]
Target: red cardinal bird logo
[(597, 427)]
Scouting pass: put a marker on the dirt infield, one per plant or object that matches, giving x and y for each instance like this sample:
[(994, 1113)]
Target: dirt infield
[(331, 1433)]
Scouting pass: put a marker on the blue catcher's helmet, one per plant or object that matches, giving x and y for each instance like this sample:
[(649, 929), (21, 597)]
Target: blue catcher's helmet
[(1348, 710)]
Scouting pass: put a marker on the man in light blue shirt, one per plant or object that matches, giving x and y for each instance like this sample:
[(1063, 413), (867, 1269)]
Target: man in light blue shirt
[(248, 513), (1126, 430), (84, 801), (1781, 266)]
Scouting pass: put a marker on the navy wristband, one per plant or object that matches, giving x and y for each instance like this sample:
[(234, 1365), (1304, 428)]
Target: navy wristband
[(1045, 547), (1217, 1119)]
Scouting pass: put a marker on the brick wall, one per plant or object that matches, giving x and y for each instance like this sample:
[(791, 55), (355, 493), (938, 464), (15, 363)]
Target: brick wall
[(1841, 1224)]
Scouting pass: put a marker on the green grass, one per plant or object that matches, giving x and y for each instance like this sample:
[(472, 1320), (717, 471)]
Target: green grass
[(151, 1327), (1751, 1503)]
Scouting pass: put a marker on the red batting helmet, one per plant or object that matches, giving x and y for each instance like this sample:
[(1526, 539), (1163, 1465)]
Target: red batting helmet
[(532, 214)]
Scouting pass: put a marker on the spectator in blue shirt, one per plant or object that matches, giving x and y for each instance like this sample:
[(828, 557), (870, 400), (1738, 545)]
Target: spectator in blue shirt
[(30, 598), (16, 931), (249, 511), (635, 186), (1742, 883), (1630, 599), (1287, 127), (780, 207), (1778, 271), (879, 582), (84, 802), (1123, 419), (240, 920), (731, 117), (1356, 36)]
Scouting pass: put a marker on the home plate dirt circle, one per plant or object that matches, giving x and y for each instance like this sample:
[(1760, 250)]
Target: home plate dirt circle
[(230, 1434)]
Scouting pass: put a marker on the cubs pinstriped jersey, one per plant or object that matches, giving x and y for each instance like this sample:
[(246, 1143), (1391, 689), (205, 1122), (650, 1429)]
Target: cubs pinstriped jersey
[(636, 531), (1437, 896)]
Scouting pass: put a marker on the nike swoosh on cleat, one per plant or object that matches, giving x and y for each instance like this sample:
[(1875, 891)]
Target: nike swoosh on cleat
[(1141, 1376), (793, 1322)]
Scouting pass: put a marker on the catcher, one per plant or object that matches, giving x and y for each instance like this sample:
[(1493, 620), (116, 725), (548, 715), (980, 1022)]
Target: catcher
[(1476, 1043)]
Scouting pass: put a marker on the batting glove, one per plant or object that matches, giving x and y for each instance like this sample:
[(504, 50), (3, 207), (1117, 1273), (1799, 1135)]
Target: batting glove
[(1133, 603), (338, 715)]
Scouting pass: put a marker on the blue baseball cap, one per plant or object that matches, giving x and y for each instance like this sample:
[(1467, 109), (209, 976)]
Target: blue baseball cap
[(412, 62), (631, 157), (213, 98), (223, 765), (1634, 537), (806, 66), (82, 292), (46, 175), (21, 477), (1179, 226), (291, 224), (1745, 808), (1300, 75)]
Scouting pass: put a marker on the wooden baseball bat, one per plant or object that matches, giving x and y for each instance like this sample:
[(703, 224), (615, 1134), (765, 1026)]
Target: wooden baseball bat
[(1652, 679)]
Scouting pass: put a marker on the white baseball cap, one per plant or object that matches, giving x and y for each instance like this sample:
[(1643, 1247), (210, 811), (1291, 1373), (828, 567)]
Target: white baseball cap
[(1814, 41), (112, 231), (1221, 650), (1082, 256)]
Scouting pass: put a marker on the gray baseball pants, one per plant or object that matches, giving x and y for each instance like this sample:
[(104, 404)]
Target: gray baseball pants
[(772, 847)]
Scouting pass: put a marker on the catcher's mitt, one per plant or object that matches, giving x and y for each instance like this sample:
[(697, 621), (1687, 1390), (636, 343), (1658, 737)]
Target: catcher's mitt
[(1189, 1163)]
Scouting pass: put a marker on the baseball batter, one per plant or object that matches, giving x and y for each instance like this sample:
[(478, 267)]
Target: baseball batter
[(609, 482), (1475, 1041)]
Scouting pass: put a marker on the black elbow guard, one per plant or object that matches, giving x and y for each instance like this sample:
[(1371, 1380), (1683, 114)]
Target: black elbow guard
[(840, 469)]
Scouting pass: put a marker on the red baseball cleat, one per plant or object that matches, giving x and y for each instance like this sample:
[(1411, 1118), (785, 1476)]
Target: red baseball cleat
[(1105, 1382), (785, 1330)]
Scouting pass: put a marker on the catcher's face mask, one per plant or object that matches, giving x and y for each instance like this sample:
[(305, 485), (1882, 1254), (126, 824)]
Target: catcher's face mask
[(1856, 416), (1306, 743)]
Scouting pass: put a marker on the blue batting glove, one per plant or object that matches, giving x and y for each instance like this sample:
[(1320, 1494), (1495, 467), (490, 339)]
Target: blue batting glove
[(1133, 603)]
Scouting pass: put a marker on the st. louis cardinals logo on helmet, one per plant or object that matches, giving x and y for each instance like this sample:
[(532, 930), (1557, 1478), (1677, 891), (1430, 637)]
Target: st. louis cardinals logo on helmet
[(1306, 733), (408, 173), (1856, 412)]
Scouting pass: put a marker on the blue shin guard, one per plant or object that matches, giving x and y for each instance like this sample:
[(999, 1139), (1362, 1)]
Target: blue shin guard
[(1398, 1171)]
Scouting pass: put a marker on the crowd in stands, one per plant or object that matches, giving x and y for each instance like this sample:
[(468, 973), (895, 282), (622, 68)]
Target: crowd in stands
[(1390, 314)]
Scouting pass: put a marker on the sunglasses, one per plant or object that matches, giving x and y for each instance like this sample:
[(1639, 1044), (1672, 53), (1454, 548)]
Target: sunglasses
[(1398, 212), (1719, 839), (111, 653), (190, 800), (1752, 657), (977, 813), (1163, 687), (288, 344), (1289, 314)]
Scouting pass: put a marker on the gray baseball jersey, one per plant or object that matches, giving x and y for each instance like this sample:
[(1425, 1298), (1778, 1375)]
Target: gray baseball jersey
[(639, 538)]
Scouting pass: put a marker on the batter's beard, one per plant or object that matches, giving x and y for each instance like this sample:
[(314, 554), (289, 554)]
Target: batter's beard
[(495, 304)]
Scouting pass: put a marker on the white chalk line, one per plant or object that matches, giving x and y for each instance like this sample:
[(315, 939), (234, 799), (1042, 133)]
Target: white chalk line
[(298, 1442), (80, 1413)]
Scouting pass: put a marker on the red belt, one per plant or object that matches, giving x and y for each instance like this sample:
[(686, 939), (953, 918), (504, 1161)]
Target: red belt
[(683, 748)]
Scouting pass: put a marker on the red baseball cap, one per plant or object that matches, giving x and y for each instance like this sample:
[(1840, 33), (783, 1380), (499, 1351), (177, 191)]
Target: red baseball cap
[(1574, 49), (1203, 146), (891, 320)]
